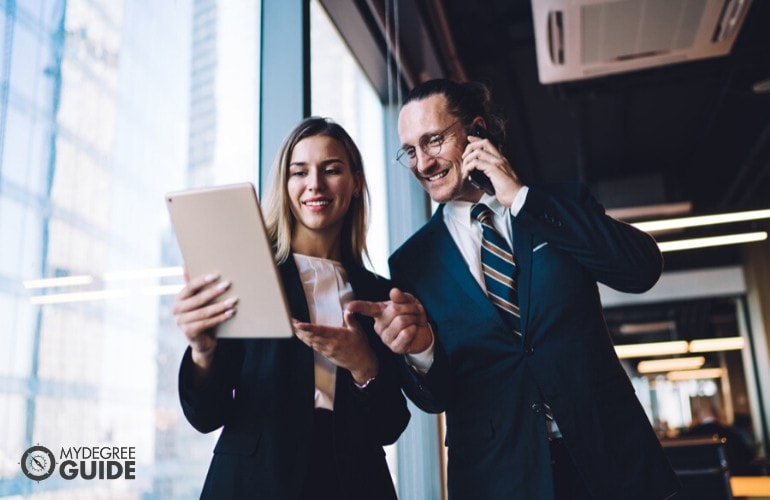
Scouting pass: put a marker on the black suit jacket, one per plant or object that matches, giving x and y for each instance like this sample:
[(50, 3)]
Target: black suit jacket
[(493, 384), (261, 393)]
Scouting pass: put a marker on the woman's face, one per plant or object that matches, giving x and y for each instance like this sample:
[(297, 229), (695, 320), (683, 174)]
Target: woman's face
[(320, 185)]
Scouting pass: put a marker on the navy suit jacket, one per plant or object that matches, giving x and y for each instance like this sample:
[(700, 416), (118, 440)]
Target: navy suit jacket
[(492, 384), (261, 392)]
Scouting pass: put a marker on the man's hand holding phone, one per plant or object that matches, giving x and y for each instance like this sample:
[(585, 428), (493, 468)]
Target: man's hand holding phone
[(476, 177), (486, 168)]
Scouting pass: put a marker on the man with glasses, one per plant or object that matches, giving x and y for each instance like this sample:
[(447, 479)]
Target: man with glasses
[(516, 351)]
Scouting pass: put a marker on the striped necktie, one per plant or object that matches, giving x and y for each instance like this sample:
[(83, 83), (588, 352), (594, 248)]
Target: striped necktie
[(499, 268)]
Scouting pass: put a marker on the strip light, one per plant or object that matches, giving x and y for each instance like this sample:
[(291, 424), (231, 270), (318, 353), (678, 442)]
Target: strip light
[(720, 344), (56, 282), (97, 295), (651, 327), (61, 298), (132, 274), (651, 349), (639, 212), (679, 347), (704, 373), (669, 364), (702, 220), (711, 241)]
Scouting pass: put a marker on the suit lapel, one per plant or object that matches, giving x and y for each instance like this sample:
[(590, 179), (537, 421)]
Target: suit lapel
[(449, 261), (292, 285), (295, 294), (522, 242)]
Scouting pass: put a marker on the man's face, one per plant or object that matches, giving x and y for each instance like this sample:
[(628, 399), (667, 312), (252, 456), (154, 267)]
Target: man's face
[(420, 122)]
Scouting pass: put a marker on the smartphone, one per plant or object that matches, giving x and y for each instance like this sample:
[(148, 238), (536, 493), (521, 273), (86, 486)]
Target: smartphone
[(478, 178)]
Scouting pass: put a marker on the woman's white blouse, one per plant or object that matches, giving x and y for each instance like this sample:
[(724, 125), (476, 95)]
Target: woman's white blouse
[(327, 291)]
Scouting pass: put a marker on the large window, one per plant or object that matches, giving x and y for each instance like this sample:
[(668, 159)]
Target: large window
[(104, 107), (340, 90)]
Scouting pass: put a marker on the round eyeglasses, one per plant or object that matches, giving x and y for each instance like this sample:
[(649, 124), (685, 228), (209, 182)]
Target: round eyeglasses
[(430, 144)]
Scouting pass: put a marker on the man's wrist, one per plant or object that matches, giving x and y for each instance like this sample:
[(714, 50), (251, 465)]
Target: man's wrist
[(423, 360)]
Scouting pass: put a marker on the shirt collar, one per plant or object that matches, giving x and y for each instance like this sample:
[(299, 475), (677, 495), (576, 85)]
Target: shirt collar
[(460, 211)]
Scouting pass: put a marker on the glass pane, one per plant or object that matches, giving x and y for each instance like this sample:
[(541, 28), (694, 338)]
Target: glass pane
[(106, 106), (341, 91)]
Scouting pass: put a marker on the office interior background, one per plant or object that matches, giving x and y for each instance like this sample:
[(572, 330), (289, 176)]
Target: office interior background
[(105, 105)]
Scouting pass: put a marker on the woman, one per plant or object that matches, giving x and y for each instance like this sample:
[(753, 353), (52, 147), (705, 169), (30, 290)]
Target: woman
[(304, 417)]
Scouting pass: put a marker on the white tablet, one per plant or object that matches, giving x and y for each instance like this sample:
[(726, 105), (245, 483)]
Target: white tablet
[(221, 230)]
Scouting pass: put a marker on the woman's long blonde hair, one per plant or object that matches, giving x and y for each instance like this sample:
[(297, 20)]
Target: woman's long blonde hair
[(279, 218)]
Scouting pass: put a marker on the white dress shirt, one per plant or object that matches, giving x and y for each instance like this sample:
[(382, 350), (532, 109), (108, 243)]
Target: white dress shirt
[(327, 291)]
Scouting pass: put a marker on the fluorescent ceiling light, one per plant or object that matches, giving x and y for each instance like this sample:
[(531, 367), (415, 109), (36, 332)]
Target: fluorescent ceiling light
[(704, 373), (62, 281), (91, 296), (663, 209), (720, 344), (157, 272), (679, 347), (669, 364), (650, 327), (651, 349), (702, 220), (711, 241), (61, 298), (132, 274)]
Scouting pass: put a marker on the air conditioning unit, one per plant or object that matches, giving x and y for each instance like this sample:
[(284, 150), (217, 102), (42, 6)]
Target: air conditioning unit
[(579, 39)]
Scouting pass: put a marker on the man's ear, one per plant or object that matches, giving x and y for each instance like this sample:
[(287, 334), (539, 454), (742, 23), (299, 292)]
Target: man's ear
[(480, 122)]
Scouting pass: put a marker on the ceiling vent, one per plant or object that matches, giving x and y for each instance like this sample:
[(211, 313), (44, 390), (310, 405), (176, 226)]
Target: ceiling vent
[(579, 39)]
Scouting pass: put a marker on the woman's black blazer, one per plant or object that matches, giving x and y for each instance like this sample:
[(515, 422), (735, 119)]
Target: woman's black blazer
[(261, 392)]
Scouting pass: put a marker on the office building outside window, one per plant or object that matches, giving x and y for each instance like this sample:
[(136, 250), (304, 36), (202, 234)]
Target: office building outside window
[(104, 107), (340, 90)]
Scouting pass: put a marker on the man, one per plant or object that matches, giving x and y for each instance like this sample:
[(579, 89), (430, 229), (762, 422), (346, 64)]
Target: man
[(707, 422), (537, 403)]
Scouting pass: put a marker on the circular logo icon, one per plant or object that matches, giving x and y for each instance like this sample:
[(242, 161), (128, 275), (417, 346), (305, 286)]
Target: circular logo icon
[(37, 463)]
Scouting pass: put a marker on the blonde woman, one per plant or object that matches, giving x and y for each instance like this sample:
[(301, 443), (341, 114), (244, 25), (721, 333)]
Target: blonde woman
[(305, 417)]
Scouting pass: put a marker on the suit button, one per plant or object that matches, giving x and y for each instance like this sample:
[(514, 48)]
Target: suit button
[(530, 350), (537, 407), (551, 219)]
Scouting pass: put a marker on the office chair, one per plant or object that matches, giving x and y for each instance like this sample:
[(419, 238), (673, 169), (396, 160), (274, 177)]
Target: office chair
[(701, 467)]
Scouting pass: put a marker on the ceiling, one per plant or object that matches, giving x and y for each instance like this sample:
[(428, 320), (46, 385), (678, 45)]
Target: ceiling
[(691, 132), (697, 125)]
